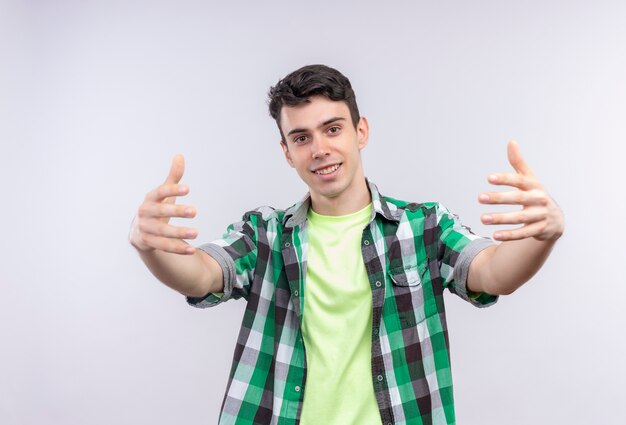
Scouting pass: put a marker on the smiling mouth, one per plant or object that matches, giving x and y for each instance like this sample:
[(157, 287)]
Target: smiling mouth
[(327, 170)]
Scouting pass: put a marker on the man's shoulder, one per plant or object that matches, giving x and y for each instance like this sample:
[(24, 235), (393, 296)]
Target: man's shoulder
[(399, 206), (264, 213)]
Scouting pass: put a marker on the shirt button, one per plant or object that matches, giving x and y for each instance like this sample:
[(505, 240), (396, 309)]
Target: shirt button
[(378, 283), (366, 242), (287, 244), (297, 388), (380, 378), (295, 293)]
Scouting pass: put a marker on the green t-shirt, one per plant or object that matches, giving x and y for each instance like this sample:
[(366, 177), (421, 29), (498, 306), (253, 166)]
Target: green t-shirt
[(337, 324)]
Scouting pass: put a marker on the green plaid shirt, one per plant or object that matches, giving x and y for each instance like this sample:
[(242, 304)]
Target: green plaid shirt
[(412, 252)]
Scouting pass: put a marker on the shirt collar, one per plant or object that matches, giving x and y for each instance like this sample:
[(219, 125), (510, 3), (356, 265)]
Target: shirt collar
[(296, 214)]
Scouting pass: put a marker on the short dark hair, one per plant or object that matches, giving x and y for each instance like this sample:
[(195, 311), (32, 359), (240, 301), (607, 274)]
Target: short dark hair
[(311, 80)]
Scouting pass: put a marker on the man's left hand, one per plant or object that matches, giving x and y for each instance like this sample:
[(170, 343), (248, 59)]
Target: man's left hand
[(540, 217)]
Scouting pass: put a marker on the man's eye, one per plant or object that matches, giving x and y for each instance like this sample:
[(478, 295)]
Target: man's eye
[(299, 139), (334, 130)]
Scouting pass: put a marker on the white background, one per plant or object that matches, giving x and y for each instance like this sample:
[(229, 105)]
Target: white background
[(97, 96)]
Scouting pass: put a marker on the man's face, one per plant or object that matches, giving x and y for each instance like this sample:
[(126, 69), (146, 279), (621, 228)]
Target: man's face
[(324, 147)]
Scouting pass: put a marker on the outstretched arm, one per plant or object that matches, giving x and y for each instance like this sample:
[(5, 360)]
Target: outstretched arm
[(161, 246), (502, 269)]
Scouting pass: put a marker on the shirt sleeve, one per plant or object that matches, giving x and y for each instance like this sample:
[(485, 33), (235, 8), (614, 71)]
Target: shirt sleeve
[(458, 246), (236, 253)]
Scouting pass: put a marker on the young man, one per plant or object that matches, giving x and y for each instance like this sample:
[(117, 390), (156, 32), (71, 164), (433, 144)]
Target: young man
[(345, 322)]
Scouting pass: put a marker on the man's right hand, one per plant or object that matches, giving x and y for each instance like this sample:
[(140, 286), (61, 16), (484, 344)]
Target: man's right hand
[(151, 229)]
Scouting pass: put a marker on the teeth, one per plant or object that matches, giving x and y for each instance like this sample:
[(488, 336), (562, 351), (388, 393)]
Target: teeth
[(327, 170)]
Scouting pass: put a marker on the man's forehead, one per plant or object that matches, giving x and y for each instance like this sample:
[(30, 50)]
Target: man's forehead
[(312, 114)]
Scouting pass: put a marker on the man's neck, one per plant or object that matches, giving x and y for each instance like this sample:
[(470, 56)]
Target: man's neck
[(348, 202)]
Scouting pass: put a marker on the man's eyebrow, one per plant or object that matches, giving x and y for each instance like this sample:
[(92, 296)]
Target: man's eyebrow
[(330, 121), (325, 123)]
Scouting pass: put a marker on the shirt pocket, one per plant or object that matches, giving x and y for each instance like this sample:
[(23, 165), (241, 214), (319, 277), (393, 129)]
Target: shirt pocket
[(409, 276), (408, 285)]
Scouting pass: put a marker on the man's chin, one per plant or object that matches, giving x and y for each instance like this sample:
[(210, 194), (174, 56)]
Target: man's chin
[(330, 190)]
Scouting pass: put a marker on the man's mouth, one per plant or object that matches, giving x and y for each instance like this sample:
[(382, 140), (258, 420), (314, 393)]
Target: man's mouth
[(327, 170)]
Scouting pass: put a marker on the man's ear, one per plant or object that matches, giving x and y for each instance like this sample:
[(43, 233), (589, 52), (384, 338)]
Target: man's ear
[(286, 152), (363, 132)]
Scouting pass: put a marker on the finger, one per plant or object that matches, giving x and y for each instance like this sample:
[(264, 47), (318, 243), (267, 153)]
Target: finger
[(175, 246), (519, 181), (177, 170), (516, 160), (525, 216), (162, 210), (159, 228), (165, 191), (524, 232), (515, 197)]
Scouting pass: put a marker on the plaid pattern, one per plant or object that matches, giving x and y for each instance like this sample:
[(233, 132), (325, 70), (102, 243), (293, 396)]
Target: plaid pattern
[(412, 252)]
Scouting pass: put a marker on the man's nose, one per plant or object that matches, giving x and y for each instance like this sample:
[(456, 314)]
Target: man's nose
[(320, 147)]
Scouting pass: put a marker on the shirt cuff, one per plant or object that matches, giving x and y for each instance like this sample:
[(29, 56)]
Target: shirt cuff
[(227, 264), (461, 272)]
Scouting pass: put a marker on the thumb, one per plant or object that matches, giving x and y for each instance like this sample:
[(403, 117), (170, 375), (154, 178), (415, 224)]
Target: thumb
[(176, 170), (516, 159)]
